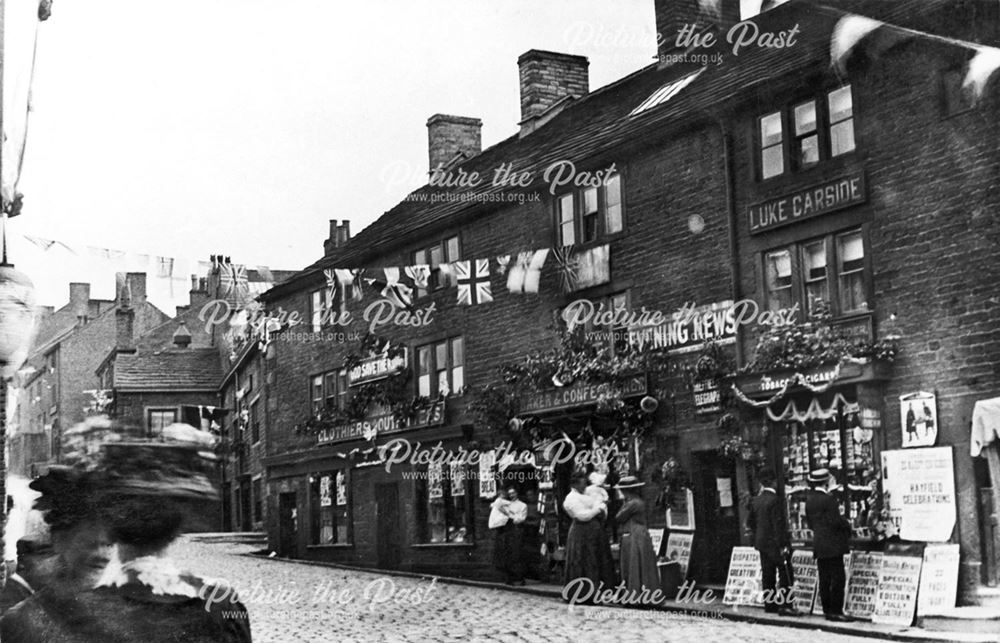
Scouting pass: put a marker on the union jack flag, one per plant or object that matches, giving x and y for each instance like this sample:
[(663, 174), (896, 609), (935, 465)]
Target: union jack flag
[(569, 267), (473, 287), (233, 283)]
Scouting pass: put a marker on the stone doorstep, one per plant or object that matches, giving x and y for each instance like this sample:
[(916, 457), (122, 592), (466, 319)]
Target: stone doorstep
[(742, 614)]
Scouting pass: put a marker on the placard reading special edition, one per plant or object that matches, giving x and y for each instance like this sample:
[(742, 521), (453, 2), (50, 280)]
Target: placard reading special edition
[(806, 580), (862, 584), (743, 584), (896, 595)]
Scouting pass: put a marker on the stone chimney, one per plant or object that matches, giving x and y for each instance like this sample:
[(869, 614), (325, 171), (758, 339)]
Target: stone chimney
[(340, 234), (546, 79), (679, 20), (198, 295), (137, 287), (181, 310), (125, 329), (452, 139), (182, 336), (79, 300)]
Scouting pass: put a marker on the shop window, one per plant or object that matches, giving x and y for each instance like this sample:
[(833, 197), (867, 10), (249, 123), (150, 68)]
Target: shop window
[(801, 275), (444, 504), (441, 368), (159, 419), (818, 130), (316, 394), (841, 443), (445, 251), (330, 503), (258, 502), (589, 214)]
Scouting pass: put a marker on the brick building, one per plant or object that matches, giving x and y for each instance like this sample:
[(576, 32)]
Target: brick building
[(773, 177), (52, 387)]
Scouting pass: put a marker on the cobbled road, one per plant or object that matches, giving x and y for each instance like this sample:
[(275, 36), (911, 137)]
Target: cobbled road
[(293, 602)]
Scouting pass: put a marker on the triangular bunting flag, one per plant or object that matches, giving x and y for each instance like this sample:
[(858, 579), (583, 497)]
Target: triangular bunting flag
[(399, 294), (503, 261), (420, 274), (526, 272), (981, 67), (473, 282)]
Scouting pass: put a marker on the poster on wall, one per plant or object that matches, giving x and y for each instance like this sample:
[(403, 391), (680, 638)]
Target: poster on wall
[(918, 487), (918, 417), (725, 488), (487, 484), (325, 500), (896, 593), (680, 512), (743, 583), (806, 580), (938, 580), (435, 477), (341, 489), (862, 584), (679, 549), (457, 479)]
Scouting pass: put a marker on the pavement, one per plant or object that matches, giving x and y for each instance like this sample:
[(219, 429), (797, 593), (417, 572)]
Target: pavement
[(301, 601)]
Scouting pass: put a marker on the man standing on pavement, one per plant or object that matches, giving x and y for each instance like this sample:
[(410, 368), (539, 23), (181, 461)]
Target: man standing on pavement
[(831, 535), (770, 539)]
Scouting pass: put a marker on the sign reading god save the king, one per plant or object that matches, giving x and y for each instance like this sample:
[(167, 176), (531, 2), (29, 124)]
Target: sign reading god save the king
[(811, 202), (376, 368), (579, 395)]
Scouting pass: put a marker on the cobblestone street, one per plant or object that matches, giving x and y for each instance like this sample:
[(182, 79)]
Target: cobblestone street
[(292, 602)]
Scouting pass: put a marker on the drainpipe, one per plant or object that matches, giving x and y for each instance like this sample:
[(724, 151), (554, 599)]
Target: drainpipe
[(734, 265)]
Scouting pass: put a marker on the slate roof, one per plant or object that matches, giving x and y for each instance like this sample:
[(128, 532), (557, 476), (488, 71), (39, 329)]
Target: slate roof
[(597, 129), (168, 370)]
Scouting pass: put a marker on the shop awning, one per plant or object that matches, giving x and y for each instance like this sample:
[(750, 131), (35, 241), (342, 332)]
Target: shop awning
[(985, 425)]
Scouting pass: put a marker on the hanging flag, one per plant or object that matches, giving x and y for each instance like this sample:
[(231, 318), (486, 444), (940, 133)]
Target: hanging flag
[(568, 267), (398, 293), (981, 67), (502, 262), (473, 287), (593, 266), (233, 283), (20, 36), (349, 282), (847, 33), (331, 282), (447, 274), (420, 274), (164, 267), (266, 274), (525, 273)]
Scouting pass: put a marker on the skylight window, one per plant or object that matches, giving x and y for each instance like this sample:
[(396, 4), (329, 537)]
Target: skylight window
[(665, 93)]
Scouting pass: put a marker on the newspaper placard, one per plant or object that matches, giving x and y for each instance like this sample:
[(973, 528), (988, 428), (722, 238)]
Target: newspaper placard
[(938, 580), (806, 580), (325, 499), (487, 483), (896, 596), (679, 549), (656, 535), (862, 584), (743, 585)]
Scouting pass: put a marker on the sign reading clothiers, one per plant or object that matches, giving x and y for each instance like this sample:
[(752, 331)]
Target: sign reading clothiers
[(811, 202)]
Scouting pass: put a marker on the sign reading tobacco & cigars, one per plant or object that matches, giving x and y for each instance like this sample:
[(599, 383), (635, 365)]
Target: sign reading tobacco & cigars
[(579, 395), (432, 415), (810, 202), (376, 368), (770, 382)]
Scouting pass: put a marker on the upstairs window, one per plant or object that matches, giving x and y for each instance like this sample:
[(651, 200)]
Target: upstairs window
[(441, 368), (320, 305), (588, 214), (831, 270), (443, 252), (817, 130)]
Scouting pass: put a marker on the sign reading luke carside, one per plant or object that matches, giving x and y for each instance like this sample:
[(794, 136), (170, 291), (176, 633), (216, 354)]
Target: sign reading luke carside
[(807, 203)]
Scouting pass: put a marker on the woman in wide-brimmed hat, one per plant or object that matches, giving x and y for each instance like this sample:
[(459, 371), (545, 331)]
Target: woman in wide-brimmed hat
[(638, 560)]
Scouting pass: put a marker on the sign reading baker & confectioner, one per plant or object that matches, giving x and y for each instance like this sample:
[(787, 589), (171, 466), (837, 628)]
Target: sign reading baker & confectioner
[(810, 202)]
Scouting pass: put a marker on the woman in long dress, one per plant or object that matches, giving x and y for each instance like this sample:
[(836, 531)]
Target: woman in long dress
[(506, 517), (638, 560), (589, 567)]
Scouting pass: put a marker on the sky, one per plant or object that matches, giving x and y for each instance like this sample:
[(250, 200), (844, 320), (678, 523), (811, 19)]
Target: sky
[(241, 127)]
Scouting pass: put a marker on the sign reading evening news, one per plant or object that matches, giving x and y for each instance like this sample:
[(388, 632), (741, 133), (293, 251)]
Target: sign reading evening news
[(579, 395), (808, 203), (689, 329), (376, 368)]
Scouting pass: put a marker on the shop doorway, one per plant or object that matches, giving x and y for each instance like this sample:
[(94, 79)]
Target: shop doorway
[(387, 525), (288, 525), (245, 524), (717, 521)]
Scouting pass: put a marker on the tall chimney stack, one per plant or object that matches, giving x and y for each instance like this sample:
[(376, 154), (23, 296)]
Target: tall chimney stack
[(546, 78), (695, 17), (451, 138), (79, 299)]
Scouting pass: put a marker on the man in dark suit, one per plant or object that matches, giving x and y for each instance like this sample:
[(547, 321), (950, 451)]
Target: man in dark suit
[(770, 538), (831, 536)]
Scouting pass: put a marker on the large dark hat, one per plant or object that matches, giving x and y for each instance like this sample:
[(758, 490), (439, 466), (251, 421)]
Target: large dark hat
[(67, 495)]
